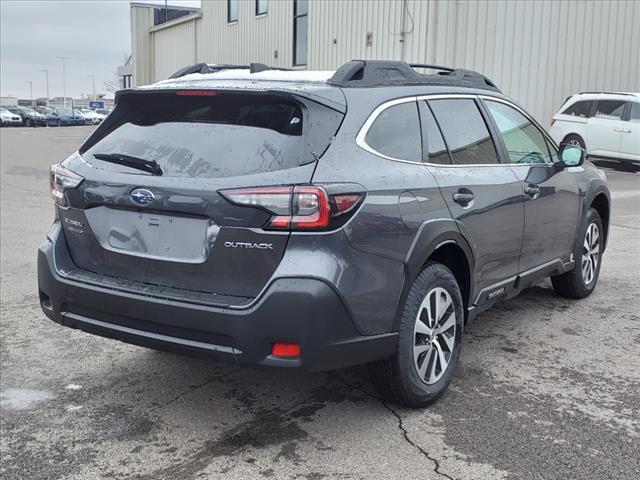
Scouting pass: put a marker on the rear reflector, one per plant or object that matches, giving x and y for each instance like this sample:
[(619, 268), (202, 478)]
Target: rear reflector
[(285, 350), (196, 93)]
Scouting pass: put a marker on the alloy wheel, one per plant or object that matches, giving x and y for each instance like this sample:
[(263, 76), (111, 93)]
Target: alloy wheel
[(590, 253), (434, 335)]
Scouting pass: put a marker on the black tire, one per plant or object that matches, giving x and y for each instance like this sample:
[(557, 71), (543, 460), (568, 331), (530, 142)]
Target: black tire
[(576, 140), (28, 122), (397, 378), (573, 283)]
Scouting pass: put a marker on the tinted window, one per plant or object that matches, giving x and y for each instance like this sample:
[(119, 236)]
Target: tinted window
[(261, 7), (465, 132), (396, 132), (232, 10), (580, 109), (300, 10), (436, 151), (611, 109), (635, 113), (212, 137), (524, 142)]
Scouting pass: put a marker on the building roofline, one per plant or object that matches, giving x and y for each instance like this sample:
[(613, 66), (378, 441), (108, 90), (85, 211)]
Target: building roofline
[(159, 5)]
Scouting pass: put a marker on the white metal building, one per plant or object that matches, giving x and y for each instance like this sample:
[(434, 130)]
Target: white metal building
[(537, 51)]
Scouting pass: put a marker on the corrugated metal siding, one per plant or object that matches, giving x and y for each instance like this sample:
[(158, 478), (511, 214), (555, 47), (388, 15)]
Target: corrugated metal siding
[(537, 51), (174, 48), (251, 39), (141, 21)]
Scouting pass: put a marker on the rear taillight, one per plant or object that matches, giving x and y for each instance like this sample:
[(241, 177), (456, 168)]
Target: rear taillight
[(61, 179), (295, 208)]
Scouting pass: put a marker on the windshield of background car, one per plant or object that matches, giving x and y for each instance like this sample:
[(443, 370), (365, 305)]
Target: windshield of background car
[(215, 135)]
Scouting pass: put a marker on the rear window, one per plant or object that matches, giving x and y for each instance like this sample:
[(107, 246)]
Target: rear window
[(465, 132), (396, 133), (580, 109), (215, 135), (610, 109)]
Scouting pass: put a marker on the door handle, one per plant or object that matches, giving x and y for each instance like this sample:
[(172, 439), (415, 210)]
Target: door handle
[(621, 130), (463, 198), (532, 191)]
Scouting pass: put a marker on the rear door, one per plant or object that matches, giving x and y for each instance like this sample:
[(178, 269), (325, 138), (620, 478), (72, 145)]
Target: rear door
[(175, 230), (483, 195), (630, 143), (604, 129)]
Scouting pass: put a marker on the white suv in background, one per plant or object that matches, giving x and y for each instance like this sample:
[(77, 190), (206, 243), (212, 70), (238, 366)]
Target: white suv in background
[(606, 125)]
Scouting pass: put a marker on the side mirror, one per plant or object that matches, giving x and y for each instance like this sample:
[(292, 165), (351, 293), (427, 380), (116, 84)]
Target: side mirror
[(571, 156)]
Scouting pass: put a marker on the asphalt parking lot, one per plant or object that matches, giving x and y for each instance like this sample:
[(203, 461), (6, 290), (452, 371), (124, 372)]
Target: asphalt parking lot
[(547, 388)]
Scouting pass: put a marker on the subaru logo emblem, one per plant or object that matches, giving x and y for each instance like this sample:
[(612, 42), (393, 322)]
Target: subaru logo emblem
[(142, 196)]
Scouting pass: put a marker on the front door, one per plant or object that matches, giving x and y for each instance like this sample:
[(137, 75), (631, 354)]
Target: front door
[(483, 195), (551, 200)]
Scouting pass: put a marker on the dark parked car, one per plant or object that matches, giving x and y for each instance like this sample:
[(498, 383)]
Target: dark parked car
[(310, 221), (60, 117), (29, 116)]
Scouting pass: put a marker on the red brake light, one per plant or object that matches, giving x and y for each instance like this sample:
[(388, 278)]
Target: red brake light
[(196, 93), (311, 208), (61, 179), (344, 203), (285, 350), (295, 208)]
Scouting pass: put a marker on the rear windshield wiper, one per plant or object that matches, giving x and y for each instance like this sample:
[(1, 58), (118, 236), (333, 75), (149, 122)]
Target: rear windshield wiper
[(150, 166)]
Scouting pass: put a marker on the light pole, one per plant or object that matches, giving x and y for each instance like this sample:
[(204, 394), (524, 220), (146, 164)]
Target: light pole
[(46, 72), (30, 82), (93, 82), (64, 79)]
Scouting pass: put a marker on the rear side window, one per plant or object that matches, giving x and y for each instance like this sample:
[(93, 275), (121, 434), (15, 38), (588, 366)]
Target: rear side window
[(465, 131), (635, 113), (396, 133), (436, 151), (214, 136), (580, 109), (609, 109)]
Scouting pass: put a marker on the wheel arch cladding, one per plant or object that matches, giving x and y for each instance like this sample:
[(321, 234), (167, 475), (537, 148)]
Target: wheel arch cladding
[(440, 241), (600, 204), (452, 256)]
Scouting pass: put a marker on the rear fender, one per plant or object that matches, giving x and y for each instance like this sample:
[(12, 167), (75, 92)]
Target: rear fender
[(432, 235)]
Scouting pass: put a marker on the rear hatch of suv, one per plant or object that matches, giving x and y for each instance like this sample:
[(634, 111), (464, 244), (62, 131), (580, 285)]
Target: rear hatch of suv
[(183, 192)]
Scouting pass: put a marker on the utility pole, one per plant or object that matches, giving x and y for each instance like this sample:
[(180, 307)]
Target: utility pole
[(46, 72), (93, 81), (64, 79)]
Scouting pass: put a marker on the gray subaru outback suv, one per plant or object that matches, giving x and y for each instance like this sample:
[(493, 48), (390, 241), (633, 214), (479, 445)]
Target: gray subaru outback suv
[(316, 220)]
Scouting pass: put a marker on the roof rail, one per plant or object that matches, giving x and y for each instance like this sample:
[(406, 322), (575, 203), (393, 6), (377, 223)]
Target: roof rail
[(210, 68), (375, 73), (606, 93)]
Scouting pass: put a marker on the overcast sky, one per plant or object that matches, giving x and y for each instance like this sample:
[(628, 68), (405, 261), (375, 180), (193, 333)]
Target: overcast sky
[(94, 33)]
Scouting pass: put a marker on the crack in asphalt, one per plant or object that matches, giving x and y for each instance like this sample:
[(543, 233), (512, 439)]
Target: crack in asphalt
[(401, 426), (193, 388)]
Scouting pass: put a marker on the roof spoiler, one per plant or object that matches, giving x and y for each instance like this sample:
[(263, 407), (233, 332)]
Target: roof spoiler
[(208, 68)]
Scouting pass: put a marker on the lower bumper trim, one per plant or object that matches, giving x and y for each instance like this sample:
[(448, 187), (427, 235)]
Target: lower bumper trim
[(77, 321)]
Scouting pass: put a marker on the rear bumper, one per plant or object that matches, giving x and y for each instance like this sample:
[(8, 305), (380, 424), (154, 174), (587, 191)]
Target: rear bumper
[(306, 311)]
